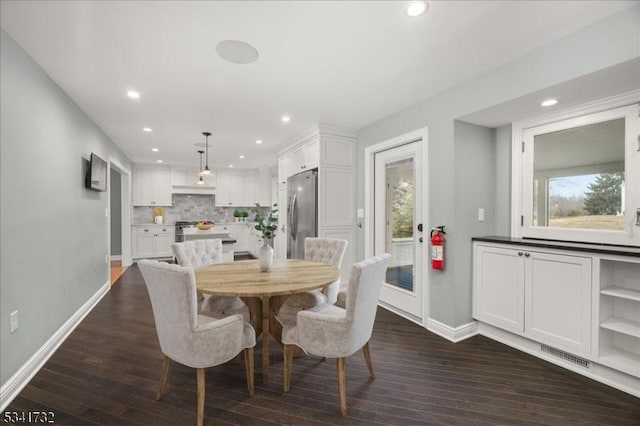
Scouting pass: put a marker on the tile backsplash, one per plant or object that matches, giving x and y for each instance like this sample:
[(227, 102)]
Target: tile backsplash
[(193, 207)]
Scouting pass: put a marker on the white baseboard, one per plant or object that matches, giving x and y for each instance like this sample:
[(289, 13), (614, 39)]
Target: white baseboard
[(116, 257), (21, 378), (453, 334)]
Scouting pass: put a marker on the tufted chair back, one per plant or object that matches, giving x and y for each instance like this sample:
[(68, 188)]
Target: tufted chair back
[(326, 250), (194, 254)]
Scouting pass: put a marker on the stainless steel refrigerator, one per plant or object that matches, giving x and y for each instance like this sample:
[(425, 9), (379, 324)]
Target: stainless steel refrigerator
[(302, 211)]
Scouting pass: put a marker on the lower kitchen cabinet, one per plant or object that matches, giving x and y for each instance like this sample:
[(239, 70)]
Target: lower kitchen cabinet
[(577, 305), (498, 287), (153, 241), (546, 297)]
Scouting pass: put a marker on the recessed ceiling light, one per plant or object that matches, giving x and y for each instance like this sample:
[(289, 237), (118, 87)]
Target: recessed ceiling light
[(416, 8), (231, 166), (286, 119), (158, 161), (133, 94), (241, 156), (258, 141), (549, 102), (155, 149), (146, 129), (237, 51)]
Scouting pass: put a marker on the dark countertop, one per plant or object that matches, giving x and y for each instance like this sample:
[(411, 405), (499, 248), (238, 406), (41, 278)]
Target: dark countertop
[(567, 245)]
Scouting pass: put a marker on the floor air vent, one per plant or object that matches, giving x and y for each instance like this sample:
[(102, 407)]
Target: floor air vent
[(565, 356)]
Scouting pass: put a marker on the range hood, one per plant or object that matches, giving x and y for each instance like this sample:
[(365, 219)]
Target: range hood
[(193, 189)]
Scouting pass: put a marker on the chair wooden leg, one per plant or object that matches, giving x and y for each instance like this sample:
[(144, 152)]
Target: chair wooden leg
[(288, 361), (248, 365), (367, 358), (163, 378), (200, 380), (342, 388)]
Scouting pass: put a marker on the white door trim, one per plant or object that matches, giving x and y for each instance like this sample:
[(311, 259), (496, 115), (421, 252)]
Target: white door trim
[(125, 210), (369, 178)]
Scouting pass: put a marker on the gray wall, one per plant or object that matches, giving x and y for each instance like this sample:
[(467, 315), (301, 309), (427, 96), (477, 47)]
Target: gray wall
[(596, 47), (54, 231), (115, 196)]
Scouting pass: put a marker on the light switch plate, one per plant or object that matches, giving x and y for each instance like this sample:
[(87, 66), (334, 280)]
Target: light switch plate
[(480, 215), (360, 213), (14, 321)]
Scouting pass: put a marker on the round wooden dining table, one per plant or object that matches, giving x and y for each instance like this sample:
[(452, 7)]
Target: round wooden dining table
[(259, 289)]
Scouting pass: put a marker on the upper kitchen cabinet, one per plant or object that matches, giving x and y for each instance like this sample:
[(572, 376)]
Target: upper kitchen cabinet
[(304, 157), (185, 181), (151, 185), (238, 188)]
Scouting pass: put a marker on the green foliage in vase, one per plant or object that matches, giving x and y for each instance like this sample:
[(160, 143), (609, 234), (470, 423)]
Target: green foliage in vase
[(267, 225)]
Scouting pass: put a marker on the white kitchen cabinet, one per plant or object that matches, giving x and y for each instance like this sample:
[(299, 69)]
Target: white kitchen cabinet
[(498, 287), (544, 296), (151, 186), (236, 188), (263, 187), (558, 301), (153, 241), (304, 157), (283, 169)]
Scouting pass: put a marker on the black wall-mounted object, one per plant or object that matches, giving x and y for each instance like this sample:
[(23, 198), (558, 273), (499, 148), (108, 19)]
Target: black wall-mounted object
[(96, 177)]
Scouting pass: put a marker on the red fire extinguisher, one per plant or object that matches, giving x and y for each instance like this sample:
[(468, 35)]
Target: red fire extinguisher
[(437, 247)]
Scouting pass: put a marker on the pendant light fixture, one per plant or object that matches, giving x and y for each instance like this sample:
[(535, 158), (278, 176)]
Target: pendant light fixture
[(206, 171), (200, 181)]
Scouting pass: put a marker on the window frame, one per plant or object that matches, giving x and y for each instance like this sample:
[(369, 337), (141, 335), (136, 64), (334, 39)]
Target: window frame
[(624, 106)]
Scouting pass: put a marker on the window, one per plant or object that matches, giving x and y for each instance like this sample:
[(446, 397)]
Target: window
[(577, 178)]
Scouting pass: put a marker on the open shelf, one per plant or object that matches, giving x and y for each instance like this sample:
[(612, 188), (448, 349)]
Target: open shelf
[(621, 292), (621, 325)]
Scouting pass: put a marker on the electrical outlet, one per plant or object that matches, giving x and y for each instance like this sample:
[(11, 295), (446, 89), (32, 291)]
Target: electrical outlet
[(106, 259), (480, 215), (14, 321), (106, 212)]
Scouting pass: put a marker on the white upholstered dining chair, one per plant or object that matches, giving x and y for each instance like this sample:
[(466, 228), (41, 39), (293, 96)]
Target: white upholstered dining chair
[(326, 250), (194, 340), (333, 332), (197, 253)]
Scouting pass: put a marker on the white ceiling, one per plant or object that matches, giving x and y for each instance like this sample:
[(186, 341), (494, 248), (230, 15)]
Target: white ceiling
[(346, 63)]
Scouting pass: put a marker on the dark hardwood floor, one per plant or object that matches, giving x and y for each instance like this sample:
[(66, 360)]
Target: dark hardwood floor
[(107, 373)]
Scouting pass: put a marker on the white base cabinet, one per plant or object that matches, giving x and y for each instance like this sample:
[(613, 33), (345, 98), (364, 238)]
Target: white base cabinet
[(546, 297), (581, 308), (153, 241), (498, 287)]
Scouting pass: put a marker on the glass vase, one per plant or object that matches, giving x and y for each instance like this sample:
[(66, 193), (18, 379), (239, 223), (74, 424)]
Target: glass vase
[(265, 256)]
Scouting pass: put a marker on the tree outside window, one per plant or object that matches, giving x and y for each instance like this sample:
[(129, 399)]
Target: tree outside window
[(402, 209)]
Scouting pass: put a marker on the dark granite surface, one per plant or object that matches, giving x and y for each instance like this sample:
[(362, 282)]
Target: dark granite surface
[(566, 245)]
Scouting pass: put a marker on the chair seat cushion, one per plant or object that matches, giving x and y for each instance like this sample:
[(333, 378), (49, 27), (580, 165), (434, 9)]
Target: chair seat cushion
[(219, 307), (289, 324), (300, 302)]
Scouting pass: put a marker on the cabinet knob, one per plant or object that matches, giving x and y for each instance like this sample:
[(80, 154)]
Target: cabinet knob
[(527, 254), (520, 253)]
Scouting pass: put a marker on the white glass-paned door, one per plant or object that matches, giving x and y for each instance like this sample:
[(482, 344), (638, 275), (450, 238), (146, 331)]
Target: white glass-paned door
[(397, 213)]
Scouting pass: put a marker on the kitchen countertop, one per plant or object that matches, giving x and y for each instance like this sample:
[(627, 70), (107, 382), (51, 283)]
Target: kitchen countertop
[(566, 245)]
